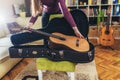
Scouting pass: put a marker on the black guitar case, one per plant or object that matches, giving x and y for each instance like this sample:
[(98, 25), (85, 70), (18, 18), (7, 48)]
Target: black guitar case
[(37, 51)]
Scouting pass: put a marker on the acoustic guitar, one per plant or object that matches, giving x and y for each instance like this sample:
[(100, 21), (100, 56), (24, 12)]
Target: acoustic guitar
[(106, 37), (67, 42)]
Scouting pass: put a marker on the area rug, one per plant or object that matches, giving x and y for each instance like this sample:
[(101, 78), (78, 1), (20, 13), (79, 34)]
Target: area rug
[(82, 72), (30, 73)]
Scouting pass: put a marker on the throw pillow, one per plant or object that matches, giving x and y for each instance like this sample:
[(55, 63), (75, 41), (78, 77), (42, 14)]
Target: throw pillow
[(14, 27)]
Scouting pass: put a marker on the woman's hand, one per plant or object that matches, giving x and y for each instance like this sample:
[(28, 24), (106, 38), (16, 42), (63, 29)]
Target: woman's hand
[(77, 33), (28, 26)]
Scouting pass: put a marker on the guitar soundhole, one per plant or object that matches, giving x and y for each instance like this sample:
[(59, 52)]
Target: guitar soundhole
[(107, 32), (77, 42), (103, 39)]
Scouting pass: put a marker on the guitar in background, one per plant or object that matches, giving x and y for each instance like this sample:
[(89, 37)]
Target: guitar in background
[(106, 37)]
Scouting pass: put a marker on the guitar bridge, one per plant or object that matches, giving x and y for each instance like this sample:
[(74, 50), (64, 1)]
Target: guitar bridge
[(77, 42)]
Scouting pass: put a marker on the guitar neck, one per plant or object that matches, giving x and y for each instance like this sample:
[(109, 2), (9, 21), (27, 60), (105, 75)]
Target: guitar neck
[(108, 22), (40, 32), (43, 33)]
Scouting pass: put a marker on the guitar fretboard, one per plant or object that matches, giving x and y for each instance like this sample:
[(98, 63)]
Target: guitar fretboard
[(43, 33), (108, 22)]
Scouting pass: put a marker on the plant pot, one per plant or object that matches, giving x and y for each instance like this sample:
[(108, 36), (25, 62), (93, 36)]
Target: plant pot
[(22, 14)]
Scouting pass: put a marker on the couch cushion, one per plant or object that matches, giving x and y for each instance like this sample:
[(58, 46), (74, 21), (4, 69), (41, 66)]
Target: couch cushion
[(7, 32), (3, 52), (3, 30), (2, 33), (5, 43)]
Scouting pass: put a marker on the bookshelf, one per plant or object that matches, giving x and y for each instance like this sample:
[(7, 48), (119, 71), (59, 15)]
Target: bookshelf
[(94, 8)]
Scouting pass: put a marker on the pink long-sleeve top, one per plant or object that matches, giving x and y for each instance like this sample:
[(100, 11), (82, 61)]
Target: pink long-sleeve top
[(52, 6)]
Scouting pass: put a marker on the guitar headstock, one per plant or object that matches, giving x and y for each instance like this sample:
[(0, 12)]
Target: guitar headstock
[(108, 19), (25, 28)]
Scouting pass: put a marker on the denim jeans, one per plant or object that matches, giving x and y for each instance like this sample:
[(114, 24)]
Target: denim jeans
[(46, 16)]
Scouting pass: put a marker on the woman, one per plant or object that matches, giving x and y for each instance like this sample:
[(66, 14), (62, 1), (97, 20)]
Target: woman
[(47, 7)]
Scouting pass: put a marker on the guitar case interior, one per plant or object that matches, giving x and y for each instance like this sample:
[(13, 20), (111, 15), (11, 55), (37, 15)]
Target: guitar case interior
[(37, 51)]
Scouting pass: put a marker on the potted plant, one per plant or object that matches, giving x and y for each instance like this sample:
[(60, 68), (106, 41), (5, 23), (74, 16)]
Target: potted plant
[(100, 19), (22, 8)]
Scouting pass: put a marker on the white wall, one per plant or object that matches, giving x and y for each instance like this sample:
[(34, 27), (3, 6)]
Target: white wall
[(6, 10)]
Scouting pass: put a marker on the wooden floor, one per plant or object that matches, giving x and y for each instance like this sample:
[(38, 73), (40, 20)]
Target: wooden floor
[(12, 74), (107, 63)]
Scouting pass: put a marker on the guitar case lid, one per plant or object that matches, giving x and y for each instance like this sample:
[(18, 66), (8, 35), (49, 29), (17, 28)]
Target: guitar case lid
[(81, 21)]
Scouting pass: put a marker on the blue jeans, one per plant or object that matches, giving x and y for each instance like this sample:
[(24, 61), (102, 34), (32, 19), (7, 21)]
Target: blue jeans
[(46, 16), (45, 19)]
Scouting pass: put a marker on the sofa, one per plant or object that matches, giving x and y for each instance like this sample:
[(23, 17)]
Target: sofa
[(7, 63)]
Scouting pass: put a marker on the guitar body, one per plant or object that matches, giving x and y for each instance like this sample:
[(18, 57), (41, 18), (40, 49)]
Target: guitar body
[(71, 42), (106, 39)]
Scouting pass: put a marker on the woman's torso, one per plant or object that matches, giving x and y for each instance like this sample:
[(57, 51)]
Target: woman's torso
[(50, 6)]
